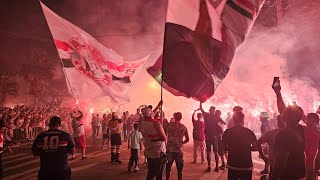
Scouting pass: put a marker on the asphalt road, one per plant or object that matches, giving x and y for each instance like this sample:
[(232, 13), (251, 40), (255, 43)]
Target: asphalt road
[(22, 165)]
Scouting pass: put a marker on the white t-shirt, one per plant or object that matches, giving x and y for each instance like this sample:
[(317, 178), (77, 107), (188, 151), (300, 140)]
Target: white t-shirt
[(78, 128), (135, 138)]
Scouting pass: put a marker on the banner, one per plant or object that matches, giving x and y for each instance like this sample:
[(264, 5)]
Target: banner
[(91, 69)]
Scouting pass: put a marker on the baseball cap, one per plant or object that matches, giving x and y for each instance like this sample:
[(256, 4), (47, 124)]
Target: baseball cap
[(146, 112)]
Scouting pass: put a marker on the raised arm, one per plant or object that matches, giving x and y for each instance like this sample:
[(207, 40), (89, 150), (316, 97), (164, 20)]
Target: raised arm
[(194, 112), (280, 103), (158, 107), (201, 109), (81, 115)]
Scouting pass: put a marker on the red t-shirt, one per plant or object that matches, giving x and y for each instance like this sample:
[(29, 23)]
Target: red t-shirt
[(198, 130), (312, 138)]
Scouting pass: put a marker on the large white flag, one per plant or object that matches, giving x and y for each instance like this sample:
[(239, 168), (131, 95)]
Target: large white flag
[(91, 69)]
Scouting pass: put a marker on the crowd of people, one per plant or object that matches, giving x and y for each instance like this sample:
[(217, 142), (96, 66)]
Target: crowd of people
[(289, 149), (26, 122)]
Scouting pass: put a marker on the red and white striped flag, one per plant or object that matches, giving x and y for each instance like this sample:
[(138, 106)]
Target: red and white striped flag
[(201, 39), (91, 69)]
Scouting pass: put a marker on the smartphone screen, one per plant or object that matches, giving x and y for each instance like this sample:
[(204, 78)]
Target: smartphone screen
[(276, 82)]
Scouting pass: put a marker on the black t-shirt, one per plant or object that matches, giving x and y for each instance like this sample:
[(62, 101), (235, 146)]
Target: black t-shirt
[(212, 128), (292, 141), (53, 147), (239, 141)]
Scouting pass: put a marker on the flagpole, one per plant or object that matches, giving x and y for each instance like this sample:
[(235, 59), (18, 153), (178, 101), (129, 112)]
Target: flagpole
[(163, 57), (119, 108)]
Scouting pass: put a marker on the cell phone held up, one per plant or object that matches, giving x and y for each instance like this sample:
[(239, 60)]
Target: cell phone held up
[(276, 82)]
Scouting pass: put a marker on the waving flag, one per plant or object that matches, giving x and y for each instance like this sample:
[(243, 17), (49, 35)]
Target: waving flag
[(91, 69), (201, 39)]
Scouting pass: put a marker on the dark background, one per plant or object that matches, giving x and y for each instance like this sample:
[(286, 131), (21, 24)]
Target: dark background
[(29, 65)]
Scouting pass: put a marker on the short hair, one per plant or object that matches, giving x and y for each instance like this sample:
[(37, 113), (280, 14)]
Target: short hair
[(218, 112), (212, 107), (314, 117), (55, 121), (292, 114), (177, 116), (150, 107), (146, 112), (237, 109), (135, 126), (238, 117)]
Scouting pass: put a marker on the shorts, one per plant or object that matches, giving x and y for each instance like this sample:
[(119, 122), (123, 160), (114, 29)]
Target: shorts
[(80, 142), (220, 146), (176, 157), (106, 136), (212, 141), (116, 139)]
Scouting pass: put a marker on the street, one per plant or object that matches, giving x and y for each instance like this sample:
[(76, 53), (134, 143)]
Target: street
[(22, 165)]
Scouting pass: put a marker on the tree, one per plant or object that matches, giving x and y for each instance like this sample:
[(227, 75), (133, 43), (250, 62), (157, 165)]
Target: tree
[(8, 87)]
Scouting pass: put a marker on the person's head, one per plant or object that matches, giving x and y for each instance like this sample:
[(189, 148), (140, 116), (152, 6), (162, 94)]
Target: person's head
[(275, 115), (238, 118), (150, 107), (104, 116), (237, 109), (55, 122), (199, 116), (114, 115), (292, 115), (280, 122), (177, 116), (138, 111), (212, 110), (312, 119), (2, 126), (218, 113), (136, 126), (146, 112), (264, 116)]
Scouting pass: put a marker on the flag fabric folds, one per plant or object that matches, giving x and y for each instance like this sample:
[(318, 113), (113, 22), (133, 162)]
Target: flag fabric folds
[(201, 39), (91, 69)]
